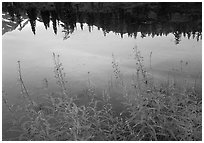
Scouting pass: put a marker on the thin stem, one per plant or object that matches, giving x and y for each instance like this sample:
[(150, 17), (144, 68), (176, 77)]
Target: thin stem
[(23, 88), (151, 60)]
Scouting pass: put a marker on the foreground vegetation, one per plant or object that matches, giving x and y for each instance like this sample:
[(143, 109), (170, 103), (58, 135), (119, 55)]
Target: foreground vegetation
[(166, 112)]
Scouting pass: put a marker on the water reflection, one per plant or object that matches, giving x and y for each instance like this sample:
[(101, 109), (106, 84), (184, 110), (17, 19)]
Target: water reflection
[(151, 19), (167, 49)]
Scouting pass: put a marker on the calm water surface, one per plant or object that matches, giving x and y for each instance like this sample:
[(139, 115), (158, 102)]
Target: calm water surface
[(91, 52)]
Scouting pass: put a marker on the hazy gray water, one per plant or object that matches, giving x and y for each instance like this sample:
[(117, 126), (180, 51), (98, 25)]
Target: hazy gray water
[(91, 52)]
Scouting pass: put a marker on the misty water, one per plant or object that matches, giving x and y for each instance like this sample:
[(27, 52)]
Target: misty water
[(87, 56), (92, 52)]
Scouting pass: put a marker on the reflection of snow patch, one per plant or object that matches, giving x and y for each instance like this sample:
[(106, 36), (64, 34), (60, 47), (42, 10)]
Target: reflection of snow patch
[(23, 24), (6, 20)]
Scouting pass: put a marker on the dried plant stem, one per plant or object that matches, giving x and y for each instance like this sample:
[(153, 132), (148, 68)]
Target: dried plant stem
[(150, 60), (115, 67), (59, 75), (155, 115), (5, 101), (23, 88), (9, 107)]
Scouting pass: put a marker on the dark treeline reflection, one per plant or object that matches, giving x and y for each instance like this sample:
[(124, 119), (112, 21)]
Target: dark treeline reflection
[(151, 19)]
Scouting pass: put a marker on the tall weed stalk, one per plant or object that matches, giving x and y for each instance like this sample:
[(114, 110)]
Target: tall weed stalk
[(148, 115)]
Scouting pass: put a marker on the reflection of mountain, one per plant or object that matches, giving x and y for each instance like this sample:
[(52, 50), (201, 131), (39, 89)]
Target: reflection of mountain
[(151, 19)]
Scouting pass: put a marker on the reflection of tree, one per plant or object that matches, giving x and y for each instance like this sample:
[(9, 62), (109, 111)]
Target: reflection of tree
[(67, 15), (13, 9), (199, 36), (45, 15), (80, 19), (164, 11), (54, 20), (150, 19), (32, 14), (67, 31), (22, 26), (177, 35), (7, 6), (90, 20)]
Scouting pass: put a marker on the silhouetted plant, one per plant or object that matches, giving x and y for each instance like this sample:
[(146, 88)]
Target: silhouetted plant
[(167, 114), (115, 66), (150, 58), (24, 90), (139, 65), (59, 75)]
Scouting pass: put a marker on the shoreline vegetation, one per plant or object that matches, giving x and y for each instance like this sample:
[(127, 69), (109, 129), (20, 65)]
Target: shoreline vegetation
[(148, 112)]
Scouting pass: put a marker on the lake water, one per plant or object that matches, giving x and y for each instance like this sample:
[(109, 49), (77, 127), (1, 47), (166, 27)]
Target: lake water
[(92, 52), (86, 52)]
